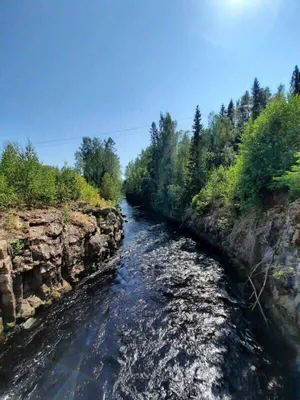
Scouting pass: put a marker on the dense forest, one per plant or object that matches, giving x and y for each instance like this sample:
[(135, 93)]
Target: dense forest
[(25, 181), (248, 150)]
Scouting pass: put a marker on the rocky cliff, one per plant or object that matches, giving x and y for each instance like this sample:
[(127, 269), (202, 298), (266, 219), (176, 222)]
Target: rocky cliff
[(266, 246), (43, 252)]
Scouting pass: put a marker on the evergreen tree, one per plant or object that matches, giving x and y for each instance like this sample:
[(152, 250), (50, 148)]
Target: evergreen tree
[(154, 136), (246, 107), (242, 111), (194, 163), (95, 158), (265, 95), (295, 81), (280, 92), (223, 111), (197, 128), (168, 138), (155, 152), (230, 111), (256, 99)]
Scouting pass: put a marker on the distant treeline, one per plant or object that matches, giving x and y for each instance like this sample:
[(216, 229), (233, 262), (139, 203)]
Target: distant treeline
[(25, 181), (249, 148)]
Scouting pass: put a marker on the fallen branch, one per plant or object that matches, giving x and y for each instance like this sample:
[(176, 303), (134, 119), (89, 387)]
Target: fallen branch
[(257, 301), (263, 286)]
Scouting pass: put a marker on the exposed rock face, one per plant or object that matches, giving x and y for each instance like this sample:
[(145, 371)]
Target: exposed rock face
[(51, 249), (268, 242)]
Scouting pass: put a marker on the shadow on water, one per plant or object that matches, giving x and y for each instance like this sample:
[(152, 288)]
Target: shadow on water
[(164, 322)]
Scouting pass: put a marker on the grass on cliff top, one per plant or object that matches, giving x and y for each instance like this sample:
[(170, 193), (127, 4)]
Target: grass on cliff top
[(15, 222)]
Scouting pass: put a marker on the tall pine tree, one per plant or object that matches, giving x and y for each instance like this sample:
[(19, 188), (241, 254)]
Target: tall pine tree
[(154, 134), (230, 111), (265, 95), (155, 155), (280, 92), (195, 181), (295, 81), (242, 111), (256, 99), (223, 111)]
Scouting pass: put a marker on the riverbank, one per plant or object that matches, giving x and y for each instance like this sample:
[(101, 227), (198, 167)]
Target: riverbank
[(264, 247), (44, 252)]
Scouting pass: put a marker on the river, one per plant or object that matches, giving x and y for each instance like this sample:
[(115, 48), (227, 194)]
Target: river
[(164, 321)]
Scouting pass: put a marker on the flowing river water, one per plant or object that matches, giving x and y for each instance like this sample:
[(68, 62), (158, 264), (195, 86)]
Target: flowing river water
[(164, 321)]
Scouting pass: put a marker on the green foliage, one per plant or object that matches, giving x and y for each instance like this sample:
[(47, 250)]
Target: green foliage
[(233, 161), (7, 195), (256, 95), (94, 160), (268, 149), (11, 220), (222, 136), (295, 81), (195, 166), (230, 111), (17, 246), (216, 188), (278, 274), (291, 179), (67, 185), (157, 178), (110, 187), (87, 192), (24, 181)]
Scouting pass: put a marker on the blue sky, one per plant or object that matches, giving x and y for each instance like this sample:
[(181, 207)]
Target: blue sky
[(71, 68)]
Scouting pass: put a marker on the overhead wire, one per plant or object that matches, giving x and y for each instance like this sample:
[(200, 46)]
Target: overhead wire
[(74, 139)]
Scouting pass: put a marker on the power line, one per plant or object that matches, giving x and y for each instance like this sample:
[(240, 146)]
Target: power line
[(74, 139)]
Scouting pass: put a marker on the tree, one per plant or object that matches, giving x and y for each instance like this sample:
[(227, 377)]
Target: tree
[(295, 81), (230, 111), (30, 170), (280, 92), (10, 163), (267, 150), (223, 111), (168, 142), (256, 99), (95, 158), (265, 95), (243, 111), (291, 179), (67, 189), (195, 173), (222, 136), (155, 157), (154, 135), (231, 163), (109, 189)]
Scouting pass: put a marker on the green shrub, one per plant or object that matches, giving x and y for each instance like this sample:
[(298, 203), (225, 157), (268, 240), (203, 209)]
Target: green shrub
[(267, 150), (67, 187), (17, 246), (7, 195), (88, 192), (216, 188), (291, 179), (110, 188), (45, 186), (24, 180), (175, 196)]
